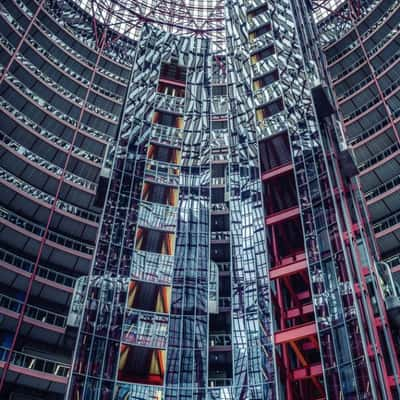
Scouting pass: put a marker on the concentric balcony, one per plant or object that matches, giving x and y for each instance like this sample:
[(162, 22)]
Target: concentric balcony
[(18, 161), (387, 232), (61, 250), (367, 34), (60, 122), (49, 284), (98, 104), (386, 47), (36, 372), (366, 82), (48, 40), (31, 202), (38, 55), (55, 149), (75, 38), (43, 325), (44, 95)]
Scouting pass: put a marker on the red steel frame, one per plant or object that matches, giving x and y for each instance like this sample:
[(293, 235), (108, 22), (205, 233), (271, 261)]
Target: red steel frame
[(296, 333)]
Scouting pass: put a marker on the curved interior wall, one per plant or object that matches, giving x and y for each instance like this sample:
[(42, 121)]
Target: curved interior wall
[(60, 107), (364, 69)]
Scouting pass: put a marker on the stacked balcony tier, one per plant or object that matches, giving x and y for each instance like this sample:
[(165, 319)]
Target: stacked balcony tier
[(364, 68), (60, 106)]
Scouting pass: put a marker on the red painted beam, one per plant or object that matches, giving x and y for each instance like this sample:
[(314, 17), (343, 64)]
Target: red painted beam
[(281, 170), (297, 312), (295, 333), (282, 215), (307, 372), (172, 82), (287, 270)]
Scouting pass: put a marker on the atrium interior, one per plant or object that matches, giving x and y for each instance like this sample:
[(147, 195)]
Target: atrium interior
[(200, 199)]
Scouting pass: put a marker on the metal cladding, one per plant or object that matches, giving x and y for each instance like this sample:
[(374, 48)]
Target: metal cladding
[(202, 207)]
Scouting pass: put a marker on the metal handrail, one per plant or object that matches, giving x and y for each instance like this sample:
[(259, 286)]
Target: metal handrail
[(43, 272), (33, 312), (36, 363), (39, 230)]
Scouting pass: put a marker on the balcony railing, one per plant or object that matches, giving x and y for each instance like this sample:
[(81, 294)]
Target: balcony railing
[(219, 382), (220, 236), (146, 329), (387, 223), (224, 302), (258, 21), (33, 312), (35, 363), (393, 261), (46, 134), (169, 103), (38, 194), (224, 267), (379, 157), (219, 207), (261, 41), (218, 181), (157, 216), (51, 236), (219, 105), (161, 172), (367, 33), (69, 176), (164, 134), (43, 272), (375, 128), (265, 66), (220, 340), (273, 124), (386, 186), (54, 111)]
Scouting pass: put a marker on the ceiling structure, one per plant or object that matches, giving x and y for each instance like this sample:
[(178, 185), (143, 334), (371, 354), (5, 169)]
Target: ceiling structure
[(200, 18)]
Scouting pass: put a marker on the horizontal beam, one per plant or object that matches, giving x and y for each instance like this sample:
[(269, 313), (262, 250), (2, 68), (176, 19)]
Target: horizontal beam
[(298, 312), (287, 270), (295, 333), (283, 215), (307, 372), (281, 170)]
